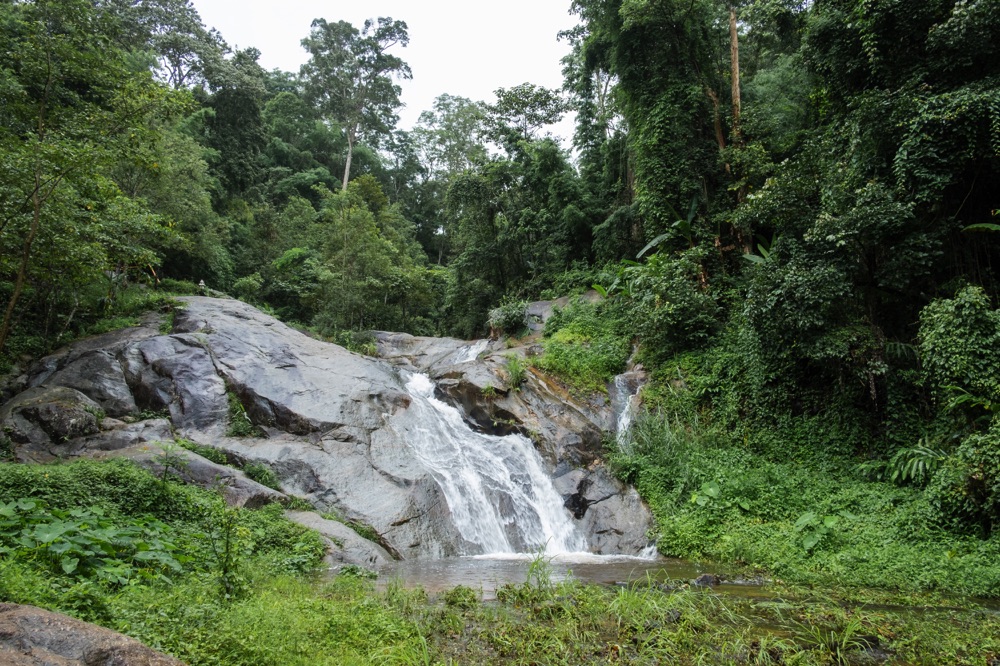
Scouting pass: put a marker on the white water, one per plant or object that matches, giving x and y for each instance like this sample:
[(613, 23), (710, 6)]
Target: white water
[(470, 353), (500, 497), (624, 394)]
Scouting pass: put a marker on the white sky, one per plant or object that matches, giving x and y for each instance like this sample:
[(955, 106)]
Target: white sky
[(460, 47)]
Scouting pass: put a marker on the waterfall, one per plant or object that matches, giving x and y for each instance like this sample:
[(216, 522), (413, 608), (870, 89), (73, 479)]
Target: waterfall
[(470, 353), (501, 499), (624, 393)]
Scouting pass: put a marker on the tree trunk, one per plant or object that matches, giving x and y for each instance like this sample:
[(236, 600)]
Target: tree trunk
[(22, 271), (347, 166), (734, 48), (720, 136)]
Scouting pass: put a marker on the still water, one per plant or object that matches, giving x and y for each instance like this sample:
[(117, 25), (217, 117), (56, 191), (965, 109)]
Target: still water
[(489, 572)]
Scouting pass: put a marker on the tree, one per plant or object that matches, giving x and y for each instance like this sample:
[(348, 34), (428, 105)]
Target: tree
[(234, 128), (449, 137), (172, 31), (72, 108), (349, 77), (520, 112)]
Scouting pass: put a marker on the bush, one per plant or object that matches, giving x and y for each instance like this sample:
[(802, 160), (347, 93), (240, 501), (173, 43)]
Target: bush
[(262, 474), (181, 287), (509, 317), (965, 492), (248, 288), (960, 344), (672, 310), (584, 345)]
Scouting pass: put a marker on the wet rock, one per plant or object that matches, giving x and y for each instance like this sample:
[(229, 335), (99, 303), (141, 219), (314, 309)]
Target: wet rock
[(178, 373), (417, 353), (98, 375), (31, 636), (345, 545), (611, 514), (706, 580), (120, 435)]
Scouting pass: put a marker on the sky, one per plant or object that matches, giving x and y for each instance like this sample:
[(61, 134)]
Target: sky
[(460, 47)]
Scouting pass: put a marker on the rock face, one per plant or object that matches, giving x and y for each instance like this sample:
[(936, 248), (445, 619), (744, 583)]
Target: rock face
[(31, 636), (345, 546), (332, 423), (567, 431)]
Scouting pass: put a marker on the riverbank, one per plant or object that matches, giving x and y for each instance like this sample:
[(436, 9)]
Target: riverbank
[(216, 585)]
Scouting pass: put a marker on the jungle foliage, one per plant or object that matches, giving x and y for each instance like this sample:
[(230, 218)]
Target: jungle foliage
[(789, 208)]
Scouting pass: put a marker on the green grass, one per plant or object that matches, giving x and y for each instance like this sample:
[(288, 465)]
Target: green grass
[(584, 346), (815, 522), (283, 613)]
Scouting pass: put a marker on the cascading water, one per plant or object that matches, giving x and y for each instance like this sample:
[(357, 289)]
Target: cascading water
[(500, 497), (624, 392), (470, 353)]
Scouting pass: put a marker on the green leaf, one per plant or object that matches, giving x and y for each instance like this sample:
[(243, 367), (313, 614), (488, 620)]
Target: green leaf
[(711, 489), (651, 244), (830, 521), (69, 564), (807, 518), (51, 532), (984, 226), (810, 540)]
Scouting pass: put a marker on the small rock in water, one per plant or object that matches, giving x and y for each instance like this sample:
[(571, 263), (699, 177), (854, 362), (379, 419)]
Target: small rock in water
[(706, 580)]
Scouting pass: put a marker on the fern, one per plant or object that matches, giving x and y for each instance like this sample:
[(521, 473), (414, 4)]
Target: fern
[(916, 464)]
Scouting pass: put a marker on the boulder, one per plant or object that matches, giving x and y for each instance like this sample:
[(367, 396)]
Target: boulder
[(43, 422), (31, 636), (345, 546)]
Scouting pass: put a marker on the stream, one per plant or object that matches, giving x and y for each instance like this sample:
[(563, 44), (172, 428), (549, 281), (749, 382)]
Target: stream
[(503, 503), (487, 573)]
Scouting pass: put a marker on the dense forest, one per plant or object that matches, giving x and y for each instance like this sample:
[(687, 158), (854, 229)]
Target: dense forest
[(789, 207)]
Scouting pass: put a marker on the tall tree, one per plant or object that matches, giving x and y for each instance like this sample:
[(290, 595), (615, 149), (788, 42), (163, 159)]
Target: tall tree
[(72, 107), (521, 112), (350, 77)]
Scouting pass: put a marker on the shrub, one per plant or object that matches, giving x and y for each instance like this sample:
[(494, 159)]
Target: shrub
[(516, 369), (960, 344), (509, 317), (672, 310), (248, 288), (262, 474), (240, 424), (965, 492), (585, 345)]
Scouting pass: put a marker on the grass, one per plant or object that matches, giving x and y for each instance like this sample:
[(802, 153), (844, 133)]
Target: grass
[(584, 346), (283, 613)]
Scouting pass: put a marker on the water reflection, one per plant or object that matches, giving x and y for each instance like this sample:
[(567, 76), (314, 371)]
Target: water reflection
[(489, 572)]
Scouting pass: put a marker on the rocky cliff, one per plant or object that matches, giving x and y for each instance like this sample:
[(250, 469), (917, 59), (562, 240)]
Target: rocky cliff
[(330, 423)]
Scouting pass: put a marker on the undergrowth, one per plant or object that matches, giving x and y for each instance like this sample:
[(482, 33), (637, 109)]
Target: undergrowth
[(585, 345), (810, 520), (232, 586)]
